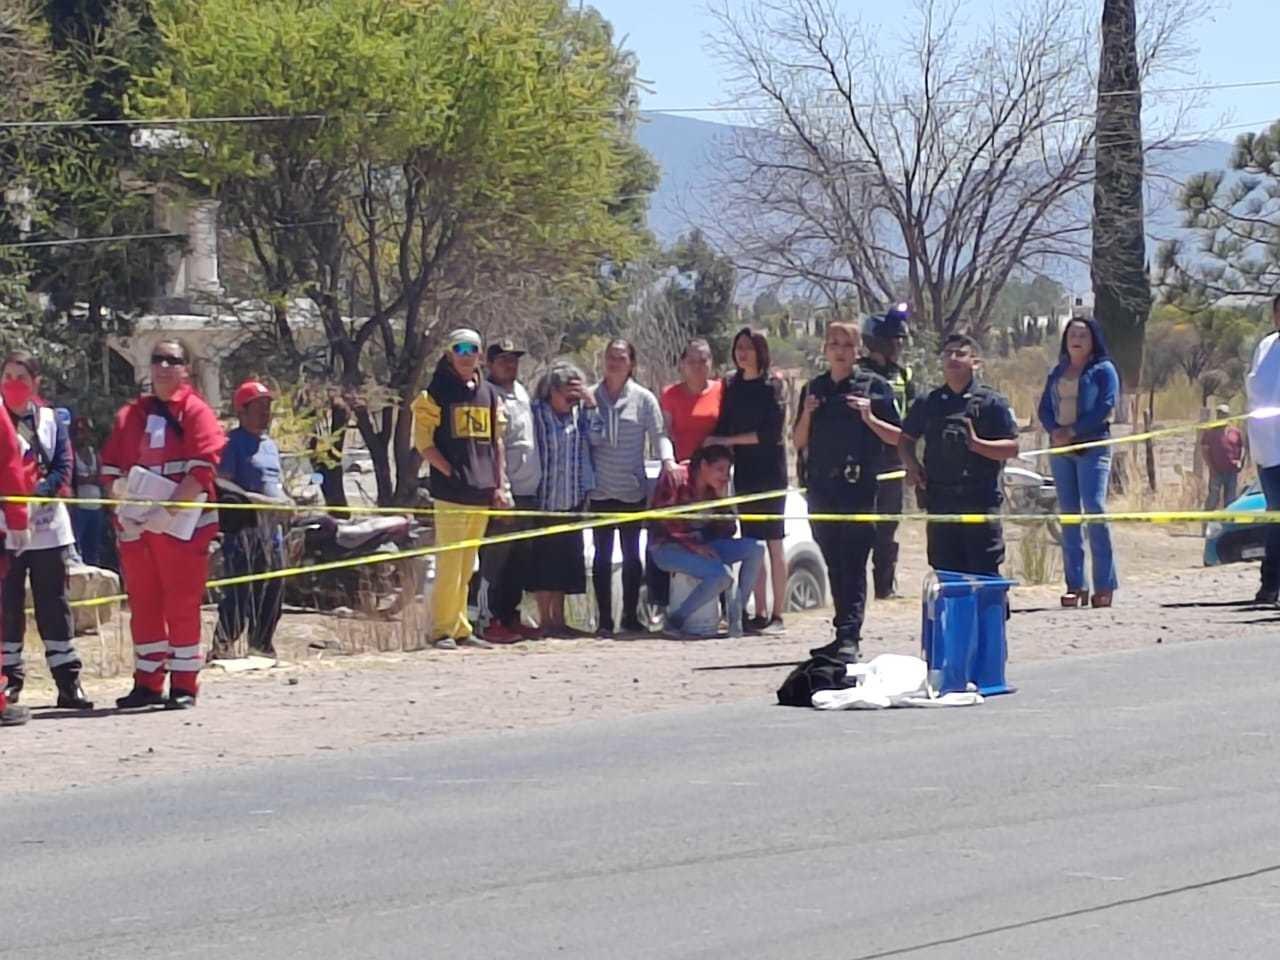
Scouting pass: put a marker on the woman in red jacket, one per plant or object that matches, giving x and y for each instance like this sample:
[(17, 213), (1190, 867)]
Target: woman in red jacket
[(174, 433), (13, 482)]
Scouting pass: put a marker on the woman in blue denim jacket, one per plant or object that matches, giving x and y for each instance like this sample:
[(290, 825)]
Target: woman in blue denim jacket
[(1079, 397)]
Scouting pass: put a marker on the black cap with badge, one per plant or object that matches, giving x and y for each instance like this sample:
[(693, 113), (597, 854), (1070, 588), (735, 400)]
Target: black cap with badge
[(499, 347)]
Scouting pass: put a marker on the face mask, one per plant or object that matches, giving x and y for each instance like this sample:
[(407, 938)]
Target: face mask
[(17, 393)]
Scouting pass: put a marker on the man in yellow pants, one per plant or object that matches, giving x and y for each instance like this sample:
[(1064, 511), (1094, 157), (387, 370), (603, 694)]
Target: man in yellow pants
[(457, 427)]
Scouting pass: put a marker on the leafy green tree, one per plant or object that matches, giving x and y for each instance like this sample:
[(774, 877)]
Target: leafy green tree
[(67, 61), (703, 291), (434, 157), (1235, 221)]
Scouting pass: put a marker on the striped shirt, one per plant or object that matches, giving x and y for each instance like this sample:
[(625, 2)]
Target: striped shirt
[(565, 456), (618, 429)]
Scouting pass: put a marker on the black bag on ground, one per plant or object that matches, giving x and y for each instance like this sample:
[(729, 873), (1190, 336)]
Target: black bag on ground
[(819, 673)]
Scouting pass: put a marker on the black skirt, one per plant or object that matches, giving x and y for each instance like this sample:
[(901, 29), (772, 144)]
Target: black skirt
[(556, 564)]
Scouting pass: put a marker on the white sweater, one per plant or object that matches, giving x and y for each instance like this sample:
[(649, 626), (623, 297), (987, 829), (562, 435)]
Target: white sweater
[(1263, 389)]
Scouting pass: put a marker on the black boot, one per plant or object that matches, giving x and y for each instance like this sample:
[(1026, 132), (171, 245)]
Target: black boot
[(180, 700), (844, 648), (14, 716), (140, 697), (71, 695)]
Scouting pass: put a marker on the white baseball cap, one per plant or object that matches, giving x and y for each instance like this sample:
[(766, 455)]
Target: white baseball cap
[(465, 335)]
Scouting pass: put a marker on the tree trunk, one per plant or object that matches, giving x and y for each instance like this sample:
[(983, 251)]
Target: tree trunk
[(335, 494), (1121, 286)]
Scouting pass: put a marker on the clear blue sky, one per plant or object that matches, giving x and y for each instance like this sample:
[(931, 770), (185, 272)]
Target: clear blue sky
[(1238, 45)]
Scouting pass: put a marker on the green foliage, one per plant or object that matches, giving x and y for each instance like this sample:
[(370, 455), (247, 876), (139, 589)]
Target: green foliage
[(441, 161), (1235, 218), (702, 293)]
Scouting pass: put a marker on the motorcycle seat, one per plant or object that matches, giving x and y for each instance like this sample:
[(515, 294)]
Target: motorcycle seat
[(356, 533)]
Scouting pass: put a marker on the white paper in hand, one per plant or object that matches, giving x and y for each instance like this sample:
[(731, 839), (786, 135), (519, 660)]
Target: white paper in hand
[(145, 485)]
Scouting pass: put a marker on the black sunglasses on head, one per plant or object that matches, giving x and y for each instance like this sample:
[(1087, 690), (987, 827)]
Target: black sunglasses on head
[(167, 360)]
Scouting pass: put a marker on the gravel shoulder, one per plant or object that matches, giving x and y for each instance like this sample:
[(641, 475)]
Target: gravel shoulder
[(316, 700)]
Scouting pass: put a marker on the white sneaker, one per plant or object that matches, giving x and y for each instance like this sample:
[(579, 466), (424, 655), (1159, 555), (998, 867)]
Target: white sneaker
[(471, 640), (445, 643)]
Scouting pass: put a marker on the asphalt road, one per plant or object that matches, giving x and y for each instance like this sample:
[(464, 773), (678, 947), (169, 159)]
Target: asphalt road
[(1117, 806)]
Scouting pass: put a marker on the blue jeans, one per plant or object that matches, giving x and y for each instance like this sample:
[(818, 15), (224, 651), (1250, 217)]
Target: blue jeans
[(713, 576), (1081, 481), (87, 526), (1269, 478)]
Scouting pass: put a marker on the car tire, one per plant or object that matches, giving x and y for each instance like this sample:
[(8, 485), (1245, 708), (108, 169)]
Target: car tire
[(805, 589)]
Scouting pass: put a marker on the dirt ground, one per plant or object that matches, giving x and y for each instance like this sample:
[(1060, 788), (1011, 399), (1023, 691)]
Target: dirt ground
[(339, 687)]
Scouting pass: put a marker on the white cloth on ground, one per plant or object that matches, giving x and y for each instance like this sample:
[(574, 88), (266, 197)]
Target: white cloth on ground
[(890, 680)]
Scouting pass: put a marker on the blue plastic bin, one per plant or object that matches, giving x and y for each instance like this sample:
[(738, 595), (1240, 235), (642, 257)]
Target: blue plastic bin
[(963, 634)]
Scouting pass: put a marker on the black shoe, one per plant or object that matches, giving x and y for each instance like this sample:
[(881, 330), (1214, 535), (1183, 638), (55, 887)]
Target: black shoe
[(844, 650), (71, 696), (13, 691), (14, 716), (140, 697), (633, 625), (269, 652), (1266, 595), (180, 701), (755, 624)]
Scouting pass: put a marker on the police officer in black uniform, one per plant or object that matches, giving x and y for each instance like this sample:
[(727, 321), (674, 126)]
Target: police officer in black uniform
[(847, 415), (886, 334), (969, 431)]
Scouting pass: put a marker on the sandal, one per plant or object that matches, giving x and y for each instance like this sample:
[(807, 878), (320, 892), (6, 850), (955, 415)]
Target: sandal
[(1102, 599), (1075, 598)]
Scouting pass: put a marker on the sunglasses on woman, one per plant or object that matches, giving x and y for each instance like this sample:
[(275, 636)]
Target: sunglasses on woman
[(465, 350), (167, 360)]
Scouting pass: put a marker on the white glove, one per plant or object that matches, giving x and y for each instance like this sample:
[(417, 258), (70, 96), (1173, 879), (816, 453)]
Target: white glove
[(15, 541)]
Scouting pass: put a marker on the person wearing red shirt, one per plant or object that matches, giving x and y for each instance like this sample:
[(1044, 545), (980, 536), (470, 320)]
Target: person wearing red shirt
[(174, 433), (691, 407), (1223, 450), (13, 483)]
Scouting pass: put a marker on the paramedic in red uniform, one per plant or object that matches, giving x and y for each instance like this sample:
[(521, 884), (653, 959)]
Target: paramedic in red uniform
[(174, 433), (13, 482)]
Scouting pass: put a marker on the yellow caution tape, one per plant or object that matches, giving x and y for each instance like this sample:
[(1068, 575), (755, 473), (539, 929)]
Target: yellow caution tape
[(513, 512), (371, 559)]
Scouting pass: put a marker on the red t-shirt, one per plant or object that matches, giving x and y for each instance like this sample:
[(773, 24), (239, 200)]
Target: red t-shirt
[(693, 419), (1223, 448)]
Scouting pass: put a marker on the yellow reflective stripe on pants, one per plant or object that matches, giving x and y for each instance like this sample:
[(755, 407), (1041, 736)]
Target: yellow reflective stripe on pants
[(455, 523)]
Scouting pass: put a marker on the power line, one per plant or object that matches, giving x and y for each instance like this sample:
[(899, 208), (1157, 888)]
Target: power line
[(1199, 88), (74, 241)]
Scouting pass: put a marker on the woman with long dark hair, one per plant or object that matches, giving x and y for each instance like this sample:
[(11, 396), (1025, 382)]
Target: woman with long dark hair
[(751, 419), (46, 455), (1080, 395)]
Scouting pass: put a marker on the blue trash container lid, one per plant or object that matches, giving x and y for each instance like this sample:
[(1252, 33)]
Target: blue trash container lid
[(953, 582)]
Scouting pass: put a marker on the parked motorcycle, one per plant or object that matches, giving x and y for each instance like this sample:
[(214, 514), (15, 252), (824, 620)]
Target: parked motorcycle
[(375, 589)]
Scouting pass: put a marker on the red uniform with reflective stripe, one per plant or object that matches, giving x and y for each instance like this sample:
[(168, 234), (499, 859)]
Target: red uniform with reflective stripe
[(165, 576), (13, 483)]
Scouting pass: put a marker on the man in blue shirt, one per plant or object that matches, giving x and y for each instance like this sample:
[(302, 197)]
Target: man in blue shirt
[(252, 541)]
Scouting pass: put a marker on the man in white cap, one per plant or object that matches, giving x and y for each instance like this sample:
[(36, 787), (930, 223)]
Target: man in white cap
[(457, 428), (252, 540)]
